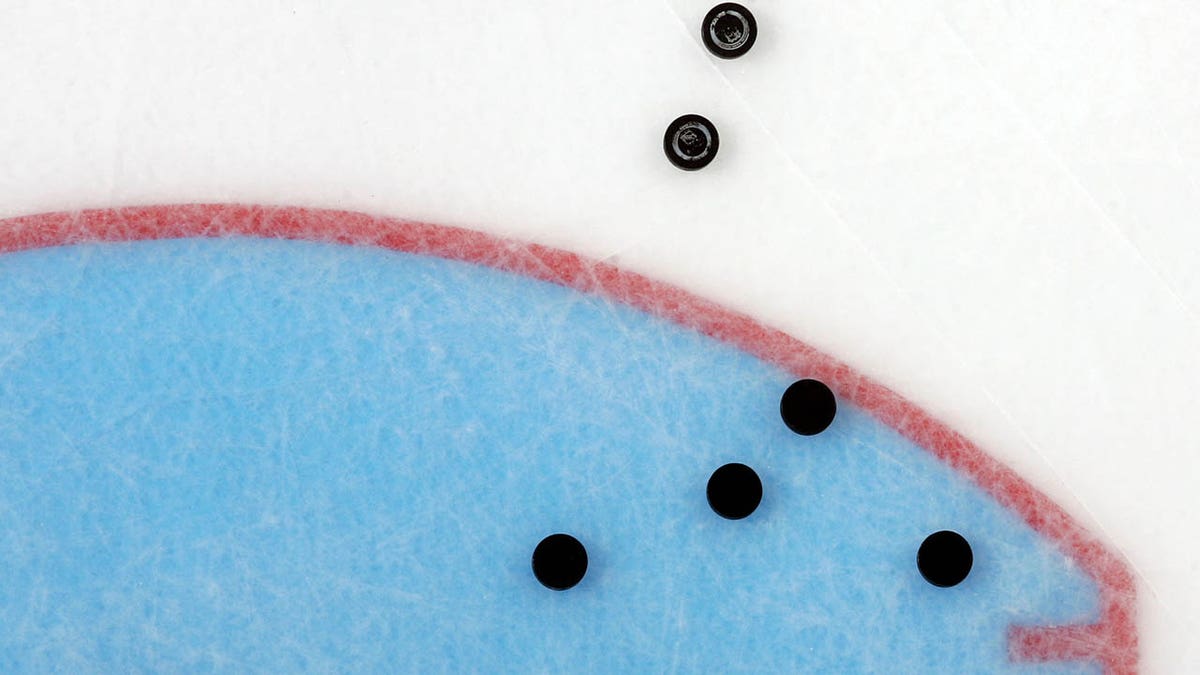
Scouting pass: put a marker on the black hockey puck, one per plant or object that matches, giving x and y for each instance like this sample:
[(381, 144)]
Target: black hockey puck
[(729, 30), (691, 142)]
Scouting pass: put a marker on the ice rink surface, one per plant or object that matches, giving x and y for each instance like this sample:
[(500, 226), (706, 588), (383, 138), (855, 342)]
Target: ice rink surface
[(289, 456), (989, 208)]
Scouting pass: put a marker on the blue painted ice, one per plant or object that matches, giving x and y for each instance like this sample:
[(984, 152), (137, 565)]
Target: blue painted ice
[(277, 456)]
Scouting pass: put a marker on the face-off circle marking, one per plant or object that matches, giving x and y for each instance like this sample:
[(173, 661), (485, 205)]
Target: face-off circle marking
[(729, 30), (881, 442), (691, 142)]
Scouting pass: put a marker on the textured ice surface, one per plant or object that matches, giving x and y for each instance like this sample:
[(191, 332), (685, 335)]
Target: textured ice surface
[(271, 455)]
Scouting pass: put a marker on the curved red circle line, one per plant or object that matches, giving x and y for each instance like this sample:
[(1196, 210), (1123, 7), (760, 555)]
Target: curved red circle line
[(1112, 642)]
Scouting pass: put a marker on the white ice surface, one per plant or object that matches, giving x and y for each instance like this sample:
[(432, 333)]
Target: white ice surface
[(991, 208)]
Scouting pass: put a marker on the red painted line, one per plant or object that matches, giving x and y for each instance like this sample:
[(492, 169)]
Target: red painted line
[(1112, 642)]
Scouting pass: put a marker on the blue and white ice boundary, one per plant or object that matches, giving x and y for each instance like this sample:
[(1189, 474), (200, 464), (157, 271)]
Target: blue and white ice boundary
[(271, 455)]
